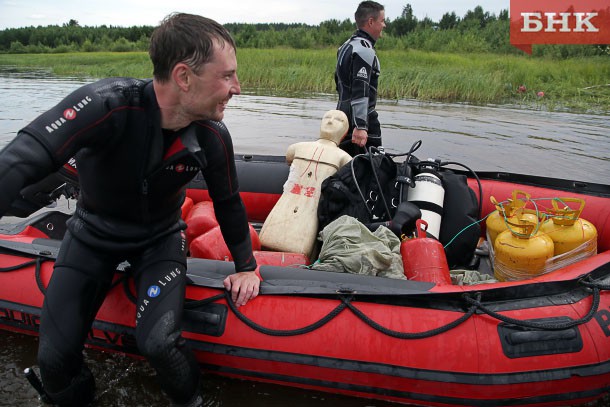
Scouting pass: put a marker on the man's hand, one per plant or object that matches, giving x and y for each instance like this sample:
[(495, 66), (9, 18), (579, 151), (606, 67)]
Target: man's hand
[(243, 286), (360, 137)]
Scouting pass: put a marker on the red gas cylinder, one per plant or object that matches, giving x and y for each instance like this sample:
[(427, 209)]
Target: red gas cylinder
[(211, 245), (200, 220), (423, 258)]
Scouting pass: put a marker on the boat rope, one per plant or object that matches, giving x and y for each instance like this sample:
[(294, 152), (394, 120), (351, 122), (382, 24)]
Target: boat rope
[(18, 266), (474, 302), (198, 303), (412, 335), (588, 282), (595, 287), (283, 332), (39, 283), (125, 280), (35, 262), (346, 302)]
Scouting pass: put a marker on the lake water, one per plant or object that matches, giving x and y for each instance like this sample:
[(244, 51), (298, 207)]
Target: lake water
[(554, 144)]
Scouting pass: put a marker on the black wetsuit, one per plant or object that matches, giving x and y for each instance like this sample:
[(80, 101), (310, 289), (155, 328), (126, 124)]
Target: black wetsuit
[(356, 77), (132, 176)]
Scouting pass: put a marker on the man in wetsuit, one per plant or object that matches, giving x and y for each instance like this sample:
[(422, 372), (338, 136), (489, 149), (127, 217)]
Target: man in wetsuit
[(356, 77), (137, 143)]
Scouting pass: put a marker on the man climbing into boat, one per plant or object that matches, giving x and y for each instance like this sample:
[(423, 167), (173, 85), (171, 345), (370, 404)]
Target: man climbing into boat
[(137, 143), (356, 78)]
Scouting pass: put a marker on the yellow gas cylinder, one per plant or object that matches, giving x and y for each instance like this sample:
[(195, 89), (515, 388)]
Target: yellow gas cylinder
[(565, 227), (496, 222), (521, 252)]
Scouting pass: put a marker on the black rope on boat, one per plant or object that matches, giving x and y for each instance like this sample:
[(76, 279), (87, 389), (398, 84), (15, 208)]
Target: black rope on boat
[(542, 325), (346, 302), (588, 282), (198, 303), (412, 335), (125, 280), (18, 266), (288, 332), (39, 283)]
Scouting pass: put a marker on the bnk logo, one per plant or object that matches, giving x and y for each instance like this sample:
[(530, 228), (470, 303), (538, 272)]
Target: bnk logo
[(558, 22)]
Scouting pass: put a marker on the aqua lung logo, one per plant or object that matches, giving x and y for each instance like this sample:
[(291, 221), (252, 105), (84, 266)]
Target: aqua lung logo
[(68, 114), (153, 291), (180, 168), (362, 73), (169, 277)]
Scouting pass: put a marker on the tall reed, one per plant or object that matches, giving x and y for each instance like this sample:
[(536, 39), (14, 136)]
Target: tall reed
[(579, 83)]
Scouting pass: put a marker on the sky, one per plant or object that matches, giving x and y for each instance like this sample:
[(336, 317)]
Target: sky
[(25, 13)]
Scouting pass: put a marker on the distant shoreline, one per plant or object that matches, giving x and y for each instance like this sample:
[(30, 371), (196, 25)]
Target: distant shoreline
[(574, 85)]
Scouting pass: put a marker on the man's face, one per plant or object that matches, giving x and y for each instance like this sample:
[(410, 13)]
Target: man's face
[(214, 85), (376, 25)]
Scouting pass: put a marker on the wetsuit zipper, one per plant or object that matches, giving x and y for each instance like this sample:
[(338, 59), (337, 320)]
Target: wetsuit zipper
[(145, 205)]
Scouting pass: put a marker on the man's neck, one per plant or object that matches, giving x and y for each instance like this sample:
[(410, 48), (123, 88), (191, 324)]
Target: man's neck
[(169, 106)]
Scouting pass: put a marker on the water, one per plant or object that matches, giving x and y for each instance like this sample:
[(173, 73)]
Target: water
[(554, 144), (564, 145)]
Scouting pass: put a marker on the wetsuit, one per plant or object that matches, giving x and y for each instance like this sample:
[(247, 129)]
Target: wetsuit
[(132, 177), (356, 77)]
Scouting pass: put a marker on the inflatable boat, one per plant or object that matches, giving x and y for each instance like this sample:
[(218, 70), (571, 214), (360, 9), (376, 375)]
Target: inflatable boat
[(539, 341)]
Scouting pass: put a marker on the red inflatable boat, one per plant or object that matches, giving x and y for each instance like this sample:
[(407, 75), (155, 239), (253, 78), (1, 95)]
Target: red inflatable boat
[(543, 341)]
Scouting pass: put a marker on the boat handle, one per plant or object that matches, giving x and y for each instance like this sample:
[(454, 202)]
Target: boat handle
[(518, 338)]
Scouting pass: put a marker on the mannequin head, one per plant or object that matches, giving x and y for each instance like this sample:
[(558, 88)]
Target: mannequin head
[(334, 126)]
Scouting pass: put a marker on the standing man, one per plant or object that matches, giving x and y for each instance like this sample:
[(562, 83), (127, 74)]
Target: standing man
[(357, 75), (137, 143)]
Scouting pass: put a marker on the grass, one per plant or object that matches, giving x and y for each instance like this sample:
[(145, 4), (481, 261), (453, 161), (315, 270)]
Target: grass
[(573, 84)]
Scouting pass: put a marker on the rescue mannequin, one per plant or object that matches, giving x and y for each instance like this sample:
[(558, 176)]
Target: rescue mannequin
[(292, 225)]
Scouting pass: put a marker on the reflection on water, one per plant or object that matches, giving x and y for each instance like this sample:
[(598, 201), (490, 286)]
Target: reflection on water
[(564, 145), (26, 94)]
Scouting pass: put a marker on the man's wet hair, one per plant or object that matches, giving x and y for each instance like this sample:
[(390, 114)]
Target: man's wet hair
[(186, 38)]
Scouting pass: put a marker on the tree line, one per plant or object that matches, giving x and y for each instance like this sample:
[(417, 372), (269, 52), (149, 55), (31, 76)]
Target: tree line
[(476, 31)]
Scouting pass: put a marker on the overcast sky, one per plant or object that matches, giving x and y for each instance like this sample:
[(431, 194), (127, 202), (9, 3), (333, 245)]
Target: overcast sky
[(25, 13)]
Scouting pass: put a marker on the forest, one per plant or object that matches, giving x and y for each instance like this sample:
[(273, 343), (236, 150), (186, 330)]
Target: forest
[(477, 31)]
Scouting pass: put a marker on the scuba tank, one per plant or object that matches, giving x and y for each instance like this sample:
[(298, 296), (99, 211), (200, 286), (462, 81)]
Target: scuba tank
[(423, 258), (567, 230), (521, 251), (496, 221), (428, 194)]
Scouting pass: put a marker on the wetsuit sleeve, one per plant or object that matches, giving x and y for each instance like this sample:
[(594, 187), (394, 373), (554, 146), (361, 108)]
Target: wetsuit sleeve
[(363, 59), (221, 178), (83, 119), (23, 161), (49, 141)]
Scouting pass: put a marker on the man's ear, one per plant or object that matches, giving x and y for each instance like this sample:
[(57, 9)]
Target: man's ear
[(181, 76)]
